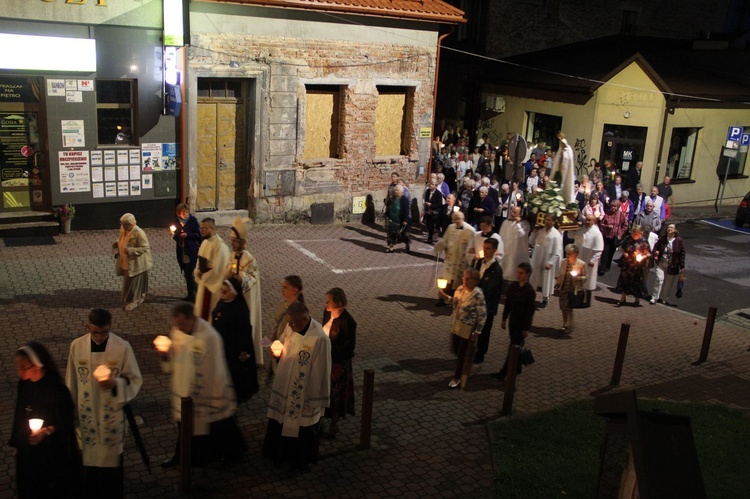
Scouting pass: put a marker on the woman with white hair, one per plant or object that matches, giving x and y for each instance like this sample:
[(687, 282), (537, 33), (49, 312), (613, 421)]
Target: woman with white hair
[(132, 261)]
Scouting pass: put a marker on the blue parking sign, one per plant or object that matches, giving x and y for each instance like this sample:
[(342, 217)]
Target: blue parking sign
[(745, 139), (735, 133)]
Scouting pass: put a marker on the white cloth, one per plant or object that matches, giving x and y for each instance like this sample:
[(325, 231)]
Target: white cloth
[(590, 243), (565, 163), (199, 370), (455, 242), (477, 247), (215, 250), (246, 267), (548, 250), (515, 236), (302, 385), (99, 413), (531, 184)]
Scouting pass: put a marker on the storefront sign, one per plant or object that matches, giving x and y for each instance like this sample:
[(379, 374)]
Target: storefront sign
[(14, 89), (75, 175), (47, 53), (174, 23), (19, 140)]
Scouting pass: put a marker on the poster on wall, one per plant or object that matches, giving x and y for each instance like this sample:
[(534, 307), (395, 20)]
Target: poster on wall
[(151, 157), (72, 133), (122, 172), (75, 174), (97, 158), (110, 189), (73, 96), (135, 172), (86, 85), (147, 181), (110, 174), (56, 88), (169, 156), (98, 190), (123, 189), (97, 174), (122, 157), (135, 157), (109, 158), (135, 187)]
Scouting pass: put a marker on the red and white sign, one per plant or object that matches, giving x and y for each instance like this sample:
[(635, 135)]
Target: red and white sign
[(86, 85), (27, 151)]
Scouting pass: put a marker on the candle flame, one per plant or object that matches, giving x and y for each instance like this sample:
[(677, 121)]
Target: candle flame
[(102, 373), (638, 257), (573, 273), (36, 424), (172, 228), (276, 348), (162, 343), (442, 283)]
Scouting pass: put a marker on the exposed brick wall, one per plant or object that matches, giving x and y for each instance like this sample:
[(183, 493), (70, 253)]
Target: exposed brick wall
[(358, 68)]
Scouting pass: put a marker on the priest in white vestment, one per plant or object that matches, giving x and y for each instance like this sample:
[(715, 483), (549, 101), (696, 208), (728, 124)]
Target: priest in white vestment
[(244, 266), (565, 163), (300, 393), (546, 257), (456, 241), (213, 257), (515, 235), (199, 370), (102, 376), (476, 249), (590, 241)]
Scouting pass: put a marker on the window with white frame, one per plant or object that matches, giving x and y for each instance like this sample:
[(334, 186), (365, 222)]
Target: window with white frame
[(682, 152)]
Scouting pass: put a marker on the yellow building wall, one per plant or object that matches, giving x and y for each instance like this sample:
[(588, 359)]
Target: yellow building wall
[(714, 125)]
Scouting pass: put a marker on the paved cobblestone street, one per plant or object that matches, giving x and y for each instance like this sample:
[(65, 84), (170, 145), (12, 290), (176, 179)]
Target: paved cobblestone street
[(428, 440)]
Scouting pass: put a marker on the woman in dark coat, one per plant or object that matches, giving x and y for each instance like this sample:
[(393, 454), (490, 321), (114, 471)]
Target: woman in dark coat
[(635, 256), (231, 319), (47, 460), (341, 328)]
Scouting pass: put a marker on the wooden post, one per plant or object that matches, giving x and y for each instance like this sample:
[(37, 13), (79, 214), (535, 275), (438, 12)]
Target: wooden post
[(368, 385), (620, 355), (186, 440), (510, 379), (709, 331), (468, 361)]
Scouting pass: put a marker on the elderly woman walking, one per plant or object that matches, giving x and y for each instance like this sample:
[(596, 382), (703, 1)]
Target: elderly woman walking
[(570, 278), (133, 260), (469, 314), (669, 256)]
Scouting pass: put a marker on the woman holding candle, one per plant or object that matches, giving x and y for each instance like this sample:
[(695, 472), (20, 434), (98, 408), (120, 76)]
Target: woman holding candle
[(635, 258), (43, 400), (469, 314), (231, 319), (669, 253), (341, 328), (570, 277), (132, 261)]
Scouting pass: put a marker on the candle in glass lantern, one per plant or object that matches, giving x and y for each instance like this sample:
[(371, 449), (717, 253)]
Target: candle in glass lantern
[(573, 273), (612, 175), (162, 343), (442, 283), (276, 348), (35, 424), (102, 373), (172, 229)]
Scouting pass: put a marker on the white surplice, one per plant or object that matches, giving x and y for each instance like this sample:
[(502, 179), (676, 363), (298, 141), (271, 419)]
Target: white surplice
[(515, 236), (99, 414), (246, 266), (477, 247), (302, 385), (590, 243), (199, 370), (548, 250), (455, 242), (215, 250)]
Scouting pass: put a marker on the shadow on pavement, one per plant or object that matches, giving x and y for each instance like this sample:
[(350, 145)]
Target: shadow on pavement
[(377, 247), (426, 366), (418, 303), (376, 231), (610, 301), (71, 298), (549, 332)]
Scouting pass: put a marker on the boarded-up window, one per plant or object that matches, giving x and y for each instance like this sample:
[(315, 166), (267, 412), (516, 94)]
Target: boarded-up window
[(390, 121), (322, 110)]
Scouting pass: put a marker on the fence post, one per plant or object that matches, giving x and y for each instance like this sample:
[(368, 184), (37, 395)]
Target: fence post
[(367, 396), (510, 379), (707, 334), (620, 355), (186, 440)]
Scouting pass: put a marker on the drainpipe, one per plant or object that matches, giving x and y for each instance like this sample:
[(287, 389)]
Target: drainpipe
[(667, 106), (434, 93)]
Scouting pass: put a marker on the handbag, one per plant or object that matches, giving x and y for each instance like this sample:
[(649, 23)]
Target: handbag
[(462, 330), (680, 284), (526, 357), (580, 299)]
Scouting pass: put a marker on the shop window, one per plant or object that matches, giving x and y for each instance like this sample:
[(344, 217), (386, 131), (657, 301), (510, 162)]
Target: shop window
[(393, 117), (542, 128), (115, 111), (322, 121), (682, 152)]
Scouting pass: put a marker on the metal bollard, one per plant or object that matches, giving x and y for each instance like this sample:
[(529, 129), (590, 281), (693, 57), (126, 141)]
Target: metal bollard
[(707, 333), (368, 385), (620, 355), (510, 379), (186, 440)]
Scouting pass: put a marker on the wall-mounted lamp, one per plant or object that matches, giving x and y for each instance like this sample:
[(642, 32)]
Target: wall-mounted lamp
[(626, 114), (234, 64)]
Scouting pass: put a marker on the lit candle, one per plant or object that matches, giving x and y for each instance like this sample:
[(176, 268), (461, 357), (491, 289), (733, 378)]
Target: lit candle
[(35, 424), (481, 253), (276, 348), (638, 257), (612, 175), (518, 196), (172, 229), (455, 208), (573, 273), (442, 283), (102, 373), (162, 343)]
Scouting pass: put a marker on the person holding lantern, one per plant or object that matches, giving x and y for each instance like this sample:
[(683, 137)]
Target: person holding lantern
[(43, 432), (590, 241), (487, 264), (244, 266), (570, 278), (132, 261), (102, 376), (213, 257), (187, 236), (635, 258), (455, 242), (301, 391)]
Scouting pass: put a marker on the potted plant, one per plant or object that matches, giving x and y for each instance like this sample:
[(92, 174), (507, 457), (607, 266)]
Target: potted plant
[(64, 214)]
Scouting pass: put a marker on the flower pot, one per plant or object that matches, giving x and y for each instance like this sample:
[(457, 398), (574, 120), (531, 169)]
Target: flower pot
[(65, 226)]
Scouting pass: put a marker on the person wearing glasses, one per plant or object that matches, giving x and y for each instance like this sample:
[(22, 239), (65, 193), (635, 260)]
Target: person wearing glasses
[(102, 376), (132, 261)]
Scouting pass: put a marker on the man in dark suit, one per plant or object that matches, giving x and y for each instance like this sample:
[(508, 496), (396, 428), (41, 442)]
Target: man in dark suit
[(634, 176), (187, 236), (614, 190), (491, 284), (433, 201)]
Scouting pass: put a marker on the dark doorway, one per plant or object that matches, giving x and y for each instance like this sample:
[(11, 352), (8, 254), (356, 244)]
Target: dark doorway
[(623, 145)]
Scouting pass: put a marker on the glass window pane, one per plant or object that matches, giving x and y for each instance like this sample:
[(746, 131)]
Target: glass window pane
[(113, 91), (234, 88), (204, 89), (218, 88), (115, 126)]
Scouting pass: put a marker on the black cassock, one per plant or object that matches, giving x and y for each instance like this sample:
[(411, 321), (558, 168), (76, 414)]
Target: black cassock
[(52, 468), (232, 321)]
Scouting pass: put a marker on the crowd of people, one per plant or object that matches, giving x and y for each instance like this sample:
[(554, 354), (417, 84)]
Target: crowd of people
[(73, 424)]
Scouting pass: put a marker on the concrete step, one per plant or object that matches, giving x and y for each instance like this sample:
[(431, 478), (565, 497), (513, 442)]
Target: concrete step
[(32, 228)]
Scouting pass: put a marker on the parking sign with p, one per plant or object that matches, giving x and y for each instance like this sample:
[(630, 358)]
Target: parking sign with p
[(735, 133)]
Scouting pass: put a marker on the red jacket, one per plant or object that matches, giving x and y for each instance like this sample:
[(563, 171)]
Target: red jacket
[(614, 224)]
